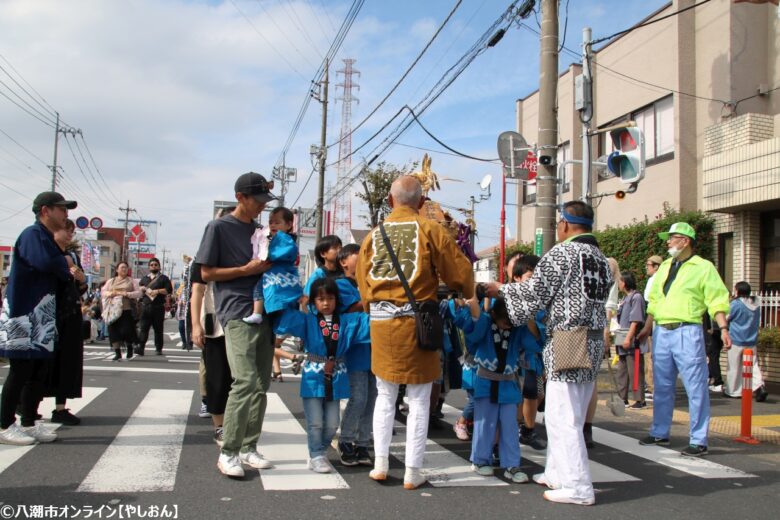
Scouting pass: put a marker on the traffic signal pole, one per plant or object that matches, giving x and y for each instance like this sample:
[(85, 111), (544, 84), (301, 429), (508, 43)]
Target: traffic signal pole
[(586, 115), (546, 180)]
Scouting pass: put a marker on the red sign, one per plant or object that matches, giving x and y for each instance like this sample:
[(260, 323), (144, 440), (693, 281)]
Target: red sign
[(145, 256), (137, 234), (530, 164)]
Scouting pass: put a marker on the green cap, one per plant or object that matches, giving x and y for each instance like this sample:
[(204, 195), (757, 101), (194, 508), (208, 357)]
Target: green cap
[(679, 228)]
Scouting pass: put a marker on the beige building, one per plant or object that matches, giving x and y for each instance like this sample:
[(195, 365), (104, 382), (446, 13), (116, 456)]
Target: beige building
[(704, 86)]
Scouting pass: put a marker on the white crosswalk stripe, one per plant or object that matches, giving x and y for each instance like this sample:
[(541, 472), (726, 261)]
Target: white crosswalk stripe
[(144, 455), (10, 454)]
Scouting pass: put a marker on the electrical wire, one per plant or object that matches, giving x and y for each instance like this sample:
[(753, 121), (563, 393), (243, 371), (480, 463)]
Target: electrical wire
[(403, 76), (16, 214), (46, 117), (100, 174), (251, 24), (20, 145), (284, 34), (303, 190), (40, 97), (104, 193), (645, 24), (565, 27), (45, 122), (454, 151), (300, 25)]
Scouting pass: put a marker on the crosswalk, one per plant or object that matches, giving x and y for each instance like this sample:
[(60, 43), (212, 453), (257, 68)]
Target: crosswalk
[(144, 454)]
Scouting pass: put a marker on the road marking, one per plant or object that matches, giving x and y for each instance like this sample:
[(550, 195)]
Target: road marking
[(145, 453), (284, 443), (598, 472), (442, 467), (10, 454), (183, 360), (121, 368), (693, 466)]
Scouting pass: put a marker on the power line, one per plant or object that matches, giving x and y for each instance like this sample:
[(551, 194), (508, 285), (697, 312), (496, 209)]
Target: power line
[(16, 214), (303, 190), (267, 41), (20, 145), (454, 151), (47, 123), (46, 103), (284, 34), (403, 76), (334, 47), (92, 175), (46, 117), (301, 25), (645, 24), (100, 174)]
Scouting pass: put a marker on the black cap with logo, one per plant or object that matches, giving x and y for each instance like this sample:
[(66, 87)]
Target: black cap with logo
[(52, 198), (255, 185)]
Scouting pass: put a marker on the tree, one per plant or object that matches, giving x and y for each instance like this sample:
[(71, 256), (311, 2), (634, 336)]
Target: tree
[(376, 187)]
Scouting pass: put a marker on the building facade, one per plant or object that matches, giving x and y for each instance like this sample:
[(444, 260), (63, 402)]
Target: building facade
[(704, 87)]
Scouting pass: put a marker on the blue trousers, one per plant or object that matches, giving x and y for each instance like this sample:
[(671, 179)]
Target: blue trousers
[(680, 351), (468, 410), (359, 414), (488, 418), (322, 421)]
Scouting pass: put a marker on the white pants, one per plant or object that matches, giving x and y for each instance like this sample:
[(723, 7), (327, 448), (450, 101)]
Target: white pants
[(567, 458), (419, 397), (734, 375)]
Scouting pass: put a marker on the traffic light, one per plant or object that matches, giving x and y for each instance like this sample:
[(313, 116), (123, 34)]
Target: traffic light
[(628, 159)]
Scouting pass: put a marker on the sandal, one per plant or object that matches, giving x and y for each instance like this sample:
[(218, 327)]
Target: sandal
[(277, 376), (297, 363)]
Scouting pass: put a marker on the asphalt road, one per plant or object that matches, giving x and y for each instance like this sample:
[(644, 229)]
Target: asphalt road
[(142, 445)]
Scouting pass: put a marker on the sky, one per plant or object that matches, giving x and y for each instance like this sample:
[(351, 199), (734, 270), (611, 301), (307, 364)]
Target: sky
[(176, 98)]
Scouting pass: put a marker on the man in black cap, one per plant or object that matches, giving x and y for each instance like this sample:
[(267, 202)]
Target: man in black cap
[(226, 257), (27, 326)]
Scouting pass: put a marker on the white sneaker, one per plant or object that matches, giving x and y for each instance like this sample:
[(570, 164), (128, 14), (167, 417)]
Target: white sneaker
[(230, 465), (716, 388), (320, 465), (540, 479), (413, 478), (562, 497), (15, 436), (39, 432), (203, 413), (255, 460), (254, 319)]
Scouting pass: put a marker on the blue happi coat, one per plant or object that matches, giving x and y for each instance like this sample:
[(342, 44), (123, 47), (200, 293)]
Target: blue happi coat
[(353, 331), (480, 341), (530, 347), (348, 293), (282, 283), (461, 318)]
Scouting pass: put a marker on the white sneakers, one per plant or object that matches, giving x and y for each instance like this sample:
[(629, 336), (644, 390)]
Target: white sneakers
[(413, 478), (542, 481), (15, 436), (320, 465), (255, 460), (39, 432), (230, 465), (563, 497), (381, 467)]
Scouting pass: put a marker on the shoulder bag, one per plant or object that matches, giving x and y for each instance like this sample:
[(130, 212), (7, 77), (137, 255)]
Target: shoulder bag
[(428, 322)]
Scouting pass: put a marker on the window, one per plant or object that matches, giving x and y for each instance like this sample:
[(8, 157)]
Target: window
[(564, 154), (657, 124)]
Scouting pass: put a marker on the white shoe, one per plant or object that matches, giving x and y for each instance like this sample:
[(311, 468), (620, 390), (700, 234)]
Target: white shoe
[(320, 465), (381, 467), (413, 478), (39, 432), (15, 436), (255, 460), (716, 388), (254, 319), (540, 479), (230, 465), (203, 412), (562, 497)]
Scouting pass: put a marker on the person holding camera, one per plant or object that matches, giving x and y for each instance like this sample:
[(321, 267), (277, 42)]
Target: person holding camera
[(426, 254)]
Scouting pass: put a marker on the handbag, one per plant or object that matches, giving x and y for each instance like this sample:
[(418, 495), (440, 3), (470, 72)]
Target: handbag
[(429, 325), (112, 308), (570, 349)]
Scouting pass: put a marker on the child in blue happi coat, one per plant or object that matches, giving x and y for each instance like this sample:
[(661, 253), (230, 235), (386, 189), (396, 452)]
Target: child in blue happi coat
[(326, 254), (532, 338), (280, 287), (327, 336), (496, 352), (461, 319), (356, 423)]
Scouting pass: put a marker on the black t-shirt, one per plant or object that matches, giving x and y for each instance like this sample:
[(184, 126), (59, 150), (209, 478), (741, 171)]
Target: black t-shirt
[(158, 282), (227, 242)]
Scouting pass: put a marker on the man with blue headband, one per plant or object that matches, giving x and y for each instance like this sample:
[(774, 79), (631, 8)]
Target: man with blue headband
[(571, 282)]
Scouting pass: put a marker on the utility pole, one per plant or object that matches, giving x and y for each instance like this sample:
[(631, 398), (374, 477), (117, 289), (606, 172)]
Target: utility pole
[(323, 149), (125, 244), (546, 179), (164, 252), (586, 115)]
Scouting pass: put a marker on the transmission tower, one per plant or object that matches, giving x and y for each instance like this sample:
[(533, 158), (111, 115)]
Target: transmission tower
[(342, 204)]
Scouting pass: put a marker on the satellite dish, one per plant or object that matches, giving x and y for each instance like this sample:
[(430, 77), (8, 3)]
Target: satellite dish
[(513, 149), (485, 182)]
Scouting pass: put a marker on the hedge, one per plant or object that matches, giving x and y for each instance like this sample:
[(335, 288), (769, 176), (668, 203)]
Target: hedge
[(633, 244)]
